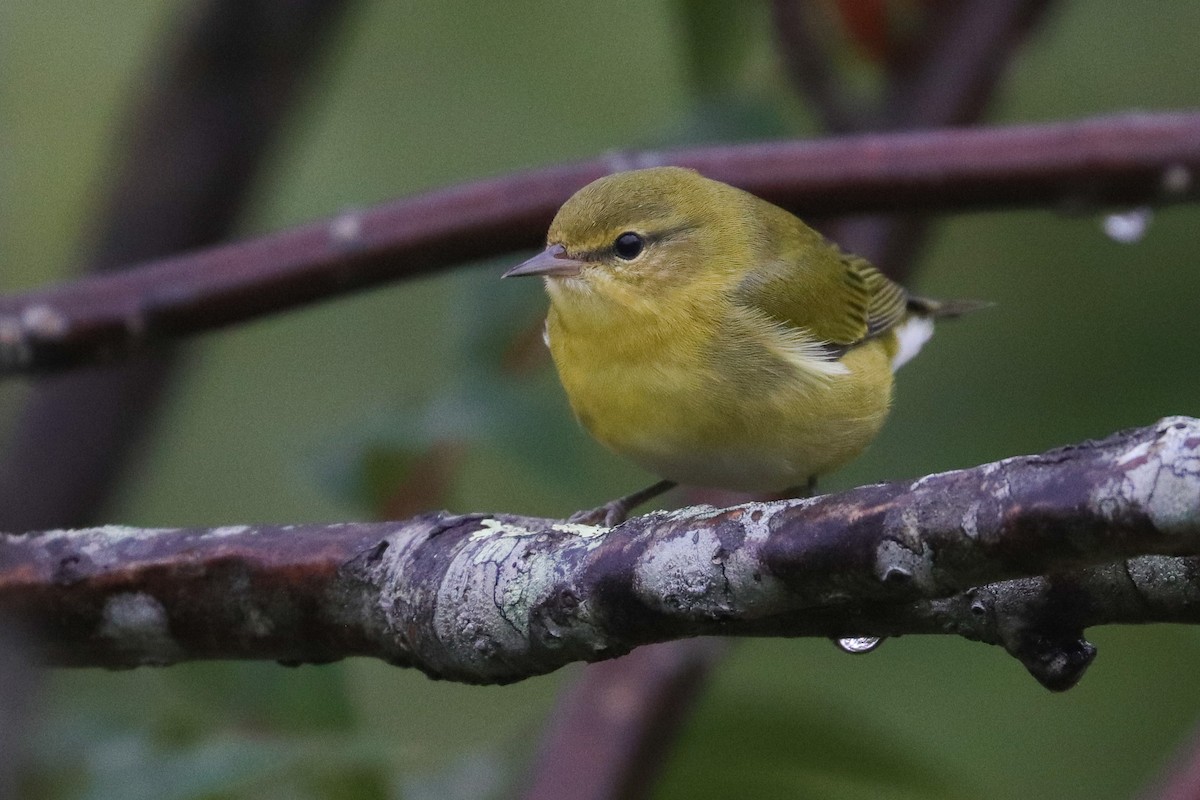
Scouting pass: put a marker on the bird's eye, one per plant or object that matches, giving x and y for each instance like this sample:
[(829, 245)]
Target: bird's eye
[(629, 246)]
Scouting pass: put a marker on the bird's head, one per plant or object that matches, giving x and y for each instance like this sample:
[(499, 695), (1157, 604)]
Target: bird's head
[(641, 233)]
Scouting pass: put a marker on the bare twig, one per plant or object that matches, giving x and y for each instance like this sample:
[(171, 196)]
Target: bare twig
[(496, 598), (1133, 159), (188, 158)]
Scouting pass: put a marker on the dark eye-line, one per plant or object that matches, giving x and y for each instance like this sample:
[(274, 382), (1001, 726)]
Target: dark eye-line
[(629, 245)]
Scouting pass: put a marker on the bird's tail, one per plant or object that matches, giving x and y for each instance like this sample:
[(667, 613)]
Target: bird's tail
[(944, 309), (916, 329)]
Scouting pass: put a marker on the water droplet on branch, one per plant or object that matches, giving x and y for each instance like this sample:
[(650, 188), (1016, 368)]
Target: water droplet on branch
[(856, 645), (346, 231), (1128, 227), (1176, 179)]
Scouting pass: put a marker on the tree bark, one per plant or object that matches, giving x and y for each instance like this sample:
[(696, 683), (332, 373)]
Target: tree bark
[(1024, 553)]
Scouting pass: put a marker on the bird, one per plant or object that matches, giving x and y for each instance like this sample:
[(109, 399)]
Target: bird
[(717, 340)]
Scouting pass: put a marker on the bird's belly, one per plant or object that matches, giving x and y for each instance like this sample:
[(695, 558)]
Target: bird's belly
[(679, 420), (771, 451)]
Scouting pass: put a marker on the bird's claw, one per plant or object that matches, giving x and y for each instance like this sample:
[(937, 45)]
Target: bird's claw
[(610, 514)]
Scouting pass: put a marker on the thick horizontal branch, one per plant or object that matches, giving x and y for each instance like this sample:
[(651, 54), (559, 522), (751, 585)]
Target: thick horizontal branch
[(1136, 159), (495, 598)]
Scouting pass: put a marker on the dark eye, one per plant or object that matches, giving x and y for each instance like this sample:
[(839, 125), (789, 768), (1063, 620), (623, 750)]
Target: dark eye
[(629, 245)]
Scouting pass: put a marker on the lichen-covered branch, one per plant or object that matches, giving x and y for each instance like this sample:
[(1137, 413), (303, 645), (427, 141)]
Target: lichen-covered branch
[(1134, 159), (1024, 553)]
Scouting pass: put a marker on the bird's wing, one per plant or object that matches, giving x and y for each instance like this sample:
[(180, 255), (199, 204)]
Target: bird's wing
[(839, 299), (887, 301)]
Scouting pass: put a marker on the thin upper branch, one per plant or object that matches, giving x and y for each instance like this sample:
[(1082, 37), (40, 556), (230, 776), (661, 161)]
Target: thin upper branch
[(488, 598), (1141, 159)]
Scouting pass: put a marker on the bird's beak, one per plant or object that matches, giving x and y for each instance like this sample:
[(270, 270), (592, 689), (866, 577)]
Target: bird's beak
[(551, 261)]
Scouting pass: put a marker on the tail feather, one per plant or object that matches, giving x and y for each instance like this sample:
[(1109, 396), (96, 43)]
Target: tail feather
[(945, 309), (915, 331)]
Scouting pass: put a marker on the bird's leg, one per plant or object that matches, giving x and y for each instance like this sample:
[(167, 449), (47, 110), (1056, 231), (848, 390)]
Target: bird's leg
[(614, 512), (809, 489)]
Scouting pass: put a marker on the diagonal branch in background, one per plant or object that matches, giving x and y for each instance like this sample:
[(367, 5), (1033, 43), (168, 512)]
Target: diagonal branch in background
[(20, 685), (1142, 159), (614, 727), (809, 64), (190, 153), (953, 72), (947, 76), (484, 598)]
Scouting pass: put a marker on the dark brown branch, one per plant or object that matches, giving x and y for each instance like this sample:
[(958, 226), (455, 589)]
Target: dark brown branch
[(957, 65), (809, 65), (613, 728), (20, 686), (1121, 160), (497, 598), (946, 77), (190, 153)]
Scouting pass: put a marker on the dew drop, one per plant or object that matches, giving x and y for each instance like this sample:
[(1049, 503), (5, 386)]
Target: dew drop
[(347, 229), (1128, 227), (1176, 179), (856, 645)]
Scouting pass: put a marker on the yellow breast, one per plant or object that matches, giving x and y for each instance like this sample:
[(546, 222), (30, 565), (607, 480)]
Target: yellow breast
[(726, 401)]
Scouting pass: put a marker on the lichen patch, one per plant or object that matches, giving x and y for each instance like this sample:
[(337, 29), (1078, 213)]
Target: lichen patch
[(136, 622)]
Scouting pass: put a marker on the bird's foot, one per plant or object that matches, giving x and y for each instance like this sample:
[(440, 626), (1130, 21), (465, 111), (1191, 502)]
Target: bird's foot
[(808, 490), (614, 512)]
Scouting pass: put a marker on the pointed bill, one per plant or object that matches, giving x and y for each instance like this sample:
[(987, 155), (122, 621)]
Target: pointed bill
[(551, 261)]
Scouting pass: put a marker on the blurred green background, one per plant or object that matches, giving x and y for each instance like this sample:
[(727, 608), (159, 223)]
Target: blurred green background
[(317, 414)]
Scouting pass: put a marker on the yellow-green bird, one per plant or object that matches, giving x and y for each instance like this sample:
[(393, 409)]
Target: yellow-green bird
[(714, 338)]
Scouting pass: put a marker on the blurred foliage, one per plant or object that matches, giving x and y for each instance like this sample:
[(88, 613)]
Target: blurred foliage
[(320, 415)]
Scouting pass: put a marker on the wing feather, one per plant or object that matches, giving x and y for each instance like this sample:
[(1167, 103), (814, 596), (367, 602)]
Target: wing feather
[(836, 299)]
